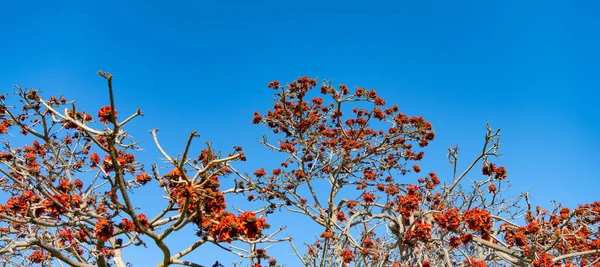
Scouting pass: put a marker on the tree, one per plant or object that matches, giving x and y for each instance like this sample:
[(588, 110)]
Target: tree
[(349, 166), (69, 190), (346, 157)]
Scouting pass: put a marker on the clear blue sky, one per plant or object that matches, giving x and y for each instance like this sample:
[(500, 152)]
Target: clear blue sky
[(528, 67)]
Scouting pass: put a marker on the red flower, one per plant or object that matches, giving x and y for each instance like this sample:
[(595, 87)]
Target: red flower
[(251, 226), (449, 220), (416, 168), (38, 256), (260, 173), (257, 118), (421, 232), (392, 190), (501, 173), (327, 235), (94, 158), (465, 239), (544, 261), (341, 216), (104, 114), (372, 94), (347, 256), (478, 220), (274, 84), (434, 179), (369, 175), (492, 188), (300, 175), (104, 229), (368, 197), (378, 114), (286, 146), (344, 89), (490, 169), (78, 184), (127, 225), (359, 92), (143, 178), (474, 263), (454, 242)]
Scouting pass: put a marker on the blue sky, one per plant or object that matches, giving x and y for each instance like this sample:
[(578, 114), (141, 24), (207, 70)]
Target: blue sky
[(528, 67)]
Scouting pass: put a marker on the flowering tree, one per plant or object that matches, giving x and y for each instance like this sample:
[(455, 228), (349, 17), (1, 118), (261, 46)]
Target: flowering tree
[(350, 165), (347, 162), (67, 190)]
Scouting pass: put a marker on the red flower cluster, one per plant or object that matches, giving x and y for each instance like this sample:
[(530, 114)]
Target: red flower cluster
[(421, 231), (260, 173), (104, 229), (478, 220), (143, 178), (257, 118), (470, 262), (416, 168), (38, 256), (450, 220), (229, 226), (490, 169), (105, 113), (544, 261), (368, 197), (410, 202), (127, 225), (94, 159), (347, 256)]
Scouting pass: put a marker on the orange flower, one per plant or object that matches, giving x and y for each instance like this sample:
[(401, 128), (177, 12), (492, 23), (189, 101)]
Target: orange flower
[(359, 92), (274, 84), (104, 229), (341, 216), (143, 219), (78, 184), (260, 173), (416, 168), (38, 256), (143, 178), (454, 242), (104, 114), (347, 256), (127, 225), (368, 197), (474, 263), (327, 235), (492, 188), (257, 118), (449, 220), (544, 261), (478, 220)]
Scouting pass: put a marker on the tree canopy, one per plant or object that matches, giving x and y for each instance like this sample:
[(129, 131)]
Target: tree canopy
[(350, 166)]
